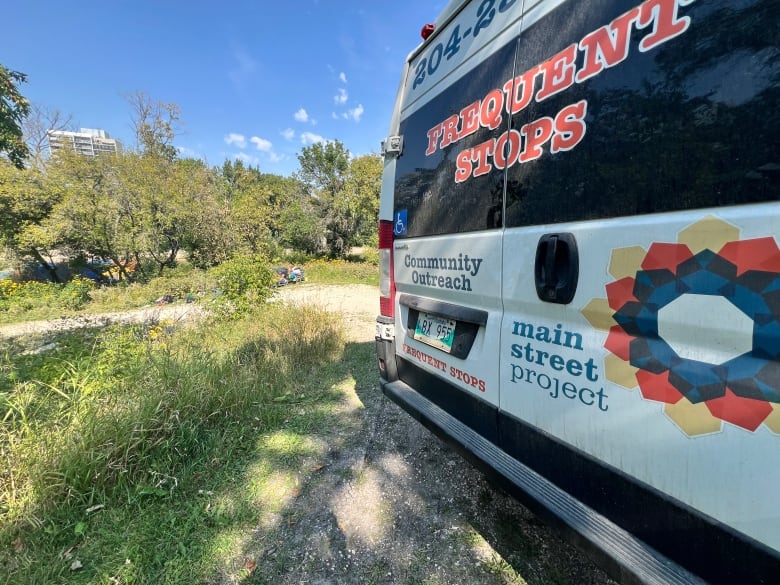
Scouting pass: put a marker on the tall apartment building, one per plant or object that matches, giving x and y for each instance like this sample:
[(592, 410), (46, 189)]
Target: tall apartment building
[(87, 141)]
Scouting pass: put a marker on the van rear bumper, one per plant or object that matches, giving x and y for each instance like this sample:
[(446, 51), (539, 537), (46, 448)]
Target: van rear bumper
[(636, 533)]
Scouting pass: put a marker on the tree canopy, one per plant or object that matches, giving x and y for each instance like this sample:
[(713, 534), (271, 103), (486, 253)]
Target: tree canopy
[(145, 205), (14, 107), (346, 191)]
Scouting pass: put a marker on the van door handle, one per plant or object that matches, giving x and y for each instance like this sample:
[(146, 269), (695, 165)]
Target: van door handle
[(557, 268)]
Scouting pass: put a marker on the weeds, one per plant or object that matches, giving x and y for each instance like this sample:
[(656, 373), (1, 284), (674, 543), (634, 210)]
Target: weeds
[(342, 272), (242, 281), (32, 300), (123, 429)]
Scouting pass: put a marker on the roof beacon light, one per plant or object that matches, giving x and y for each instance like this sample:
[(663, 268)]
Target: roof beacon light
[(427, 31)]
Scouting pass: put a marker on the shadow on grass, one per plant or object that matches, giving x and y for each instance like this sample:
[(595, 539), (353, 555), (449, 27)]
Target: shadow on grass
[(343, 488), (387, 502)]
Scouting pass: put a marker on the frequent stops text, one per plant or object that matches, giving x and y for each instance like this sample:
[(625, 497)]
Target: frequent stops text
[(600, 49)]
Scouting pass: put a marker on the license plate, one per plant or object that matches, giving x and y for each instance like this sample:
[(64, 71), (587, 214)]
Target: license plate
[(435, 331)]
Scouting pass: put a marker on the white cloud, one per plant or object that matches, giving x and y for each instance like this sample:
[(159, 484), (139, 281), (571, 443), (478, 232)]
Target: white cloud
[(311, 138), (261, 143), (301, 115), (275, 158), (355, 113), (247, 159), (341, 97), (343, 77), (236, 140), (288, 134), (334, 115)]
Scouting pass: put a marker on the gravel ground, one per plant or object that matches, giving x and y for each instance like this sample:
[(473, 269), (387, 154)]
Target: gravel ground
[(150, 314), (392, 504), (389, 502)]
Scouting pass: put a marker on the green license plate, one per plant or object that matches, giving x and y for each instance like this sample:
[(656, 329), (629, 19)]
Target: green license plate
[(435, 331)]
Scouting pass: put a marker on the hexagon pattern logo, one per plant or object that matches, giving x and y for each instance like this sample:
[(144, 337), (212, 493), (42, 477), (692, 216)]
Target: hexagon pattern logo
[(725, 366)]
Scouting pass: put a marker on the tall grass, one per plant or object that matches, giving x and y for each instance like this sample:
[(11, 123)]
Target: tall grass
[(39, 300), (140, 404), (179, 283), (341, 272)]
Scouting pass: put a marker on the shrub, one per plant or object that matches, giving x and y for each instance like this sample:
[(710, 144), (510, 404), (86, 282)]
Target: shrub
[(243, 282), (371, 255), (76, 293), (41, 298)]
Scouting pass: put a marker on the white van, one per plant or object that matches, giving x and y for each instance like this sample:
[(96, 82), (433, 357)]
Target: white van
[(580, 286)]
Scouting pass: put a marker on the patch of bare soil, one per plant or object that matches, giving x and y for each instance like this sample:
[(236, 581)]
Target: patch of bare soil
[(356, 304), (151, 314), (391, 503)]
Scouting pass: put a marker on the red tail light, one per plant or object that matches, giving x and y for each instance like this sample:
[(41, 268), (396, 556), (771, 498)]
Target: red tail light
[(427, 31), (386, 276)]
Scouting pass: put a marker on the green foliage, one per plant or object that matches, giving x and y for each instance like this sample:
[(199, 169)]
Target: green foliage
[(27, 197), (341, 272), (302, 228), (116, 448), (76, 292), (259, 207), (14, 108), (346, 192), (243, 282), (156, 123), (31, 299), (324, 168), (358, 205), (145, 207), (140, 396)]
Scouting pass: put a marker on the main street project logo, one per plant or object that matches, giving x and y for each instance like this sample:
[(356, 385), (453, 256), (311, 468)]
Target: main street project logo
[(695, 325)]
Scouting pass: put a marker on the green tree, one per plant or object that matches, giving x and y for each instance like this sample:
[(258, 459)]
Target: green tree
[(346, 192), (131, 206), (156, 124), (323, 169), (211, 236), (27, 197), (245, 281), (260, 206), (358, 205), (99, 214), (14, 107), (249, 207), (302, 228)]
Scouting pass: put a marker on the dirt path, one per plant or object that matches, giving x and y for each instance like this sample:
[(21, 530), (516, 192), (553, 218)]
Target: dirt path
[(390, 503), (358, 304), (175, 312)]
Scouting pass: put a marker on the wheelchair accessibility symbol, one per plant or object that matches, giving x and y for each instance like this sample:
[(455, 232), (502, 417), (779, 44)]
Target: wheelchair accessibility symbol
[(399, 224)]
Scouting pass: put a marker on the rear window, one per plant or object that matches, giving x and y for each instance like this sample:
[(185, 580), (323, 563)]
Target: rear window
[(425, 187), (689, 123)]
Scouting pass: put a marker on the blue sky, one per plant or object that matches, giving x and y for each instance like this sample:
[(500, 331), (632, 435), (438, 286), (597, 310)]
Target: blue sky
[(255, 80)]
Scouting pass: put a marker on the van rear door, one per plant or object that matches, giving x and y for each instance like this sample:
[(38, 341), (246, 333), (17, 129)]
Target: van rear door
[(447, 248)]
